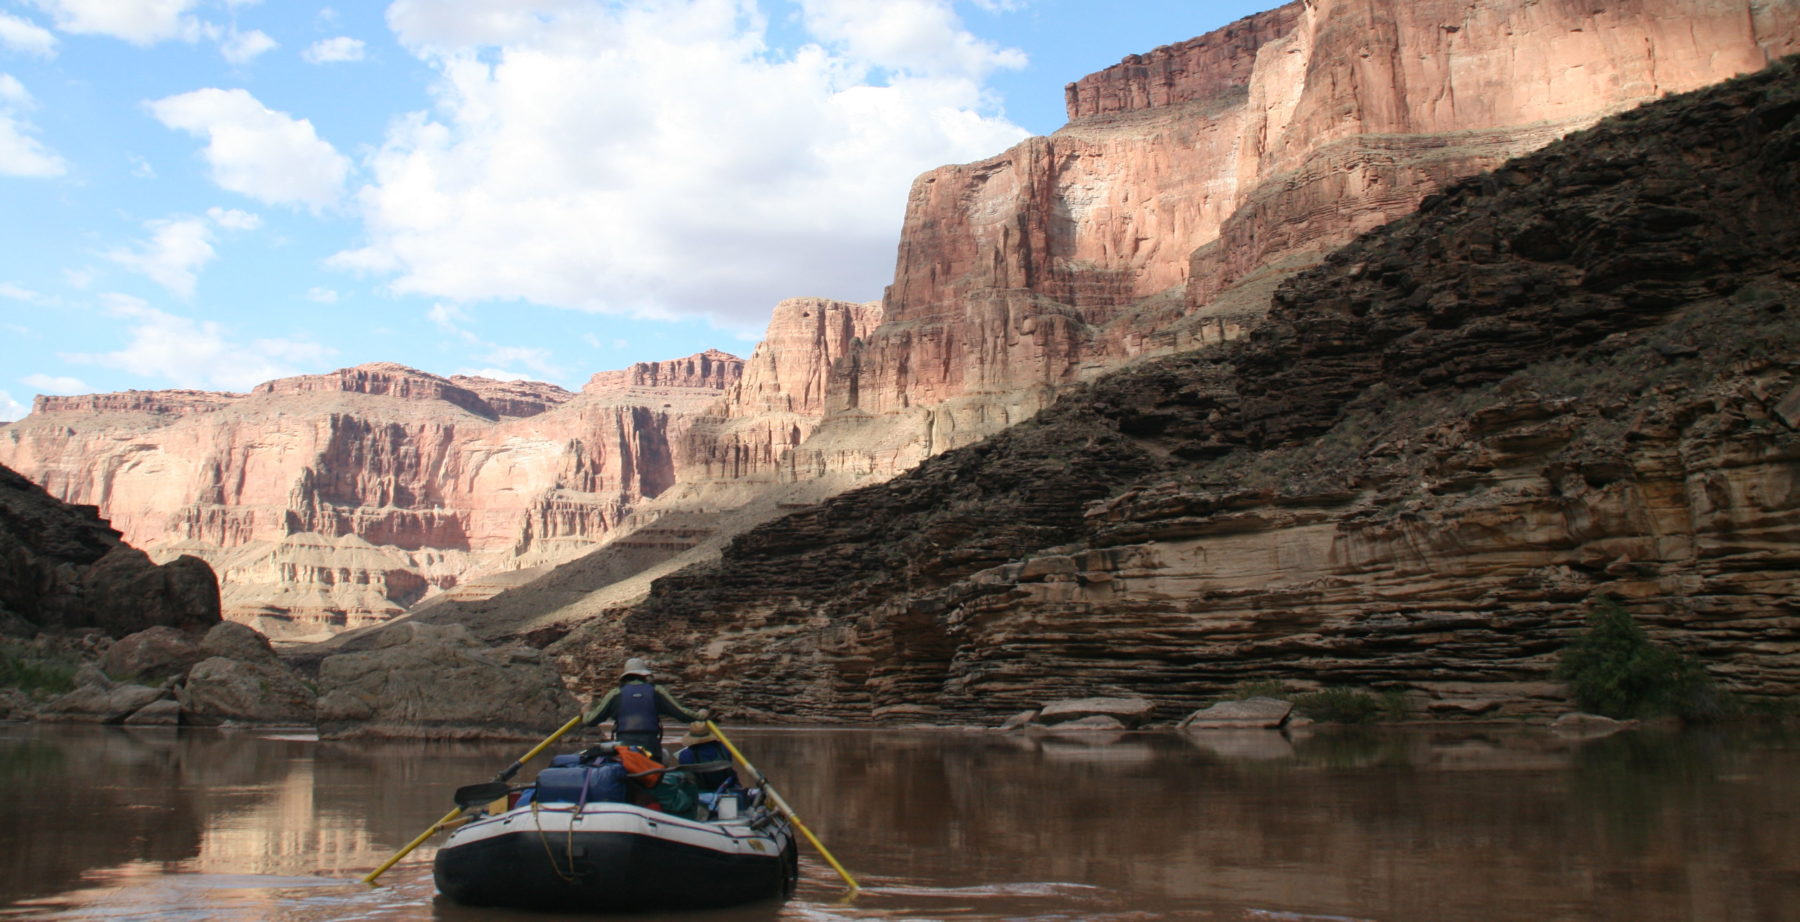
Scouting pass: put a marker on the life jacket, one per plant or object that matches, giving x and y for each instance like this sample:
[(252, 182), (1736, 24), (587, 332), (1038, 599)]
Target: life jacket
[(637, 709), (637, 760)]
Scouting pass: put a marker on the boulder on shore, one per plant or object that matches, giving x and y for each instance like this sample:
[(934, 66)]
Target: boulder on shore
[(1249, 714), (426, 681), (235, 692), (237, 641), (1128, 712), (100, 703), (155, 653)]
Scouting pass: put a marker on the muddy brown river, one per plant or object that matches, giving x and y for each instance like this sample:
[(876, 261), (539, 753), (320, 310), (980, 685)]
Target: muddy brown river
[(111, 824)]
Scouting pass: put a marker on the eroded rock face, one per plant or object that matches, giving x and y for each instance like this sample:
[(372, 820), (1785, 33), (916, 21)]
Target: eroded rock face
[(65, 567), (1442, 442), (1186, 175), (331, 501), (1189, 180), (440, 682)]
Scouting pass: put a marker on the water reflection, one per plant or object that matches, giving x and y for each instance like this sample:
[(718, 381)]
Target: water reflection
[(113, 823)]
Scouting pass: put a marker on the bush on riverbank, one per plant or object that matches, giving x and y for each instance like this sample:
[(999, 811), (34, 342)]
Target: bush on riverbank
[(1616, 670), (1350, 706), (35, 671)]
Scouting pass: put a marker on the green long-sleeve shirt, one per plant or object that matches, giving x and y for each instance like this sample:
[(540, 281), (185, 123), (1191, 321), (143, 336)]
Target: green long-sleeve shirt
[(607, 708)]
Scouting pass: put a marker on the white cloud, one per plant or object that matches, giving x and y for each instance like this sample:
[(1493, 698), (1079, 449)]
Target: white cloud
[(185, 352), (242, 47), (141, 22), (658, 159), (334, 50), (140, 167), (233, 219), (255, 151), (18, 293), (914, 36), (172, 255), (20, 153), (538, 360), (177, 248), (321, 295), (10, 409), (47, 384), (25, 36)]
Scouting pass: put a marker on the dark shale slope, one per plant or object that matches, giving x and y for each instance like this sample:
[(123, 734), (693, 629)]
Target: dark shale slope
[(1578, 374)]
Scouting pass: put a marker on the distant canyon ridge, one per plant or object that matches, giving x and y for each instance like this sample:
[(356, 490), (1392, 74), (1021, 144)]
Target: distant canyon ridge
[(1187, 185)]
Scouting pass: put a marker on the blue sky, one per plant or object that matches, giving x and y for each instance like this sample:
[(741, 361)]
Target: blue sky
[(211, 193)]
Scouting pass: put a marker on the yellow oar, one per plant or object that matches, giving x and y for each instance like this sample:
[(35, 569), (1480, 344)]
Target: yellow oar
[(782, 805), (505, 774)]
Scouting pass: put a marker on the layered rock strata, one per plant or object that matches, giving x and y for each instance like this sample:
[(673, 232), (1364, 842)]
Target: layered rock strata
[(1188, 182), (1187, 175), (1571, 376), (328, 501)]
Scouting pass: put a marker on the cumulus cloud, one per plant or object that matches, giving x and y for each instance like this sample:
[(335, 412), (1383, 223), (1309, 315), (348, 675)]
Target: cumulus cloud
[(659, 159), (255, 151), (186, 352), (140, 22), (242, 47), (50, 384), (176, 249), (10, 409), (913, 36), (26, 36), (334, 50), (20, 153), (321, 295)]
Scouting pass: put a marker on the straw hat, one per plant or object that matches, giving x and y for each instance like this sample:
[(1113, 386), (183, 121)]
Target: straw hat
[(697, 733), (635, 666)]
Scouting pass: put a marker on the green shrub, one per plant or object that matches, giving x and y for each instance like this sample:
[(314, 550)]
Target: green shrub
[(1616, 670), (1343, 705), (28, 672)]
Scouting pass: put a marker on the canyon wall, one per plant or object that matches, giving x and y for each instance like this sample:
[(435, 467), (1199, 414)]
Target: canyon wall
[(1191, 177), (1575, 376), (335, 500), (1188, 183)]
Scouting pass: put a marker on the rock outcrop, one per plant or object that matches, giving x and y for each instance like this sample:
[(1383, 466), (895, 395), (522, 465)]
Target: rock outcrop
[(65, 567), (1573, 375), (1189, 176), (440, 682)]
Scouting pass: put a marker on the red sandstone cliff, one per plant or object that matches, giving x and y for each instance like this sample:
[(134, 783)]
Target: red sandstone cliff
[(333, 500), (1189, 176), (1188, 182)]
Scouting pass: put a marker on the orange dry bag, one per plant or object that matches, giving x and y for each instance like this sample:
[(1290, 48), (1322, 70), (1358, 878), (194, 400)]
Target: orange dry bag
[(638, 764)]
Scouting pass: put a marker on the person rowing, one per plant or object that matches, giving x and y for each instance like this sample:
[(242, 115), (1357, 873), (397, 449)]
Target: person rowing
[(637, 707)]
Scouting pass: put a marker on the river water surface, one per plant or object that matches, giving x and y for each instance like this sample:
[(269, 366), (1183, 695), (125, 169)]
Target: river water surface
[(115, 824)]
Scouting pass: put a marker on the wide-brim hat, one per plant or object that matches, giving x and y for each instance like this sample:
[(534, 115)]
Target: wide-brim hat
[(697, 733), (635, 666)]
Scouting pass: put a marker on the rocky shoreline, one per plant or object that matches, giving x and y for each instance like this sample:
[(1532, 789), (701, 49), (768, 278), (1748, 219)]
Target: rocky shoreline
[(425, 682)]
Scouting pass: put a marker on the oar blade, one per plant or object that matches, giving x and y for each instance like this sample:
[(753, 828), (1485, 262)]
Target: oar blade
[(470, 796)]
